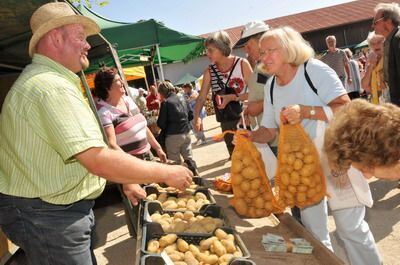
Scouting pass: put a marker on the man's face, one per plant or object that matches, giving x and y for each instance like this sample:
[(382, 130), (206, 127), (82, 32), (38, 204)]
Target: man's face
[(252, 49), (381, 25), (75, 48), (153, 90), (331, 43)]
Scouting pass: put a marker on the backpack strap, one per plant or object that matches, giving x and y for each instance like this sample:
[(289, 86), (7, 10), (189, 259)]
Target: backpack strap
[(308, 79), (310, 83)]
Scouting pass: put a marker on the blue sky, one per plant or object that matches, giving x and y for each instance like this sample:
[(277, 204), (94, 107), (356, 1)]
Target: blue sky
[(202, 16)]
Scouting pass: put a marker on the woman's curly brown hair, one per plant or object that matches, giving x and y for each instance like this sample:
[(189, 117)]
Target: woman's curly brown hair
[(364, 133)]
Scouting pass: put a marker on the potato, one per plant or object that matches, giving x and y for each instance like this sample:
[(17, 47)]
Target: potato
[(167, 240), (306, 150), (255, 184), (259, 202), (290, 159), (250, 172), (237, 166), (153, 246), (298, 164), (305, 181), (318, 188), (245, 186), (285, 179), (182, 245), (152, 197), (301, 197), (163, 197), (206, 243), (305, 171), (171, 248), (238, 193), (170, 205), (200, 195), (267, 196), (294, 178), (287, 194), (209, 259), (252, 212), (299, 155), (289, 169), (302, 188), (292, 189), (252, 194), (296, 147), (190, 259), (176, 256), (247, 161), (218, 248), (311, 192), (238, 253), (237, 155), (225, 258), (229, 245), (268, 206), (220, 234), (240, 206), (286, 147), (236, 178), (155, 217), (308, 159), (180, 263)]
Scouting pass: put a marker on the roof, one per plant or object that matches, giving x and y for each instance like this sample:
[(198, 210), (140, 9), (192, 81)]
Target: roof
[(318, 19)]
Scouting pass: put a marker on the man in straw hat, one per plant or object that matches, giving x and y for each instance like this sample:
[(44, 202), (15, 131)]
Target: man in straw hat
[(52, 150)]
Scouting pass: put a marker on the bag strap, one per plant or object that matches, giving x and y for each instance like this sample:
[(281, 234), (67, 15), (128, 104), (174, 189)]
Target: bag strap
[(308, 79), (219, 81)]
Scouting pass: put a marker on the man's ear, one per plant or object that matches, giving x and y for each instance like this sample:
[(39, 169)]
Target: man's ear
[(56, 38)]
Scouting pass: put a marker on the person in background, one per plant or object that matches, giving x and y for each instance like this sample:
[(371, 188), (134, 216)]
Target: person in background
[(174, 123), (353, 89), (367, 137), (52, 151), (191, 97), (386, 23), (227, 76), (287, 56), (337, 60), (153, 99), (124, 124), (373, 81), (140, 100)]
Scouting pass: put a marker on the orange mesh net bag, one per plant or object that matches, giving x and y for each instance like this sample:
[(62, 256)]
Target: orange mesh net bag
[(299, 180), (252, 192)]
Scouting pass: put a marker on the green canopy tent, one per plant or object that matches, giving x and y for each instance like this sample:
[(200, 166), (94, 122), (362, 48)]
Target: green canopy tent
[(146, 42), (187, 78)]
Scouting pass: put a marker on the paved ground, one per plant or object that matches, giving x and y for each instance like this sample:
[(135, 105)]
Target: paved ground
[(114, 246)]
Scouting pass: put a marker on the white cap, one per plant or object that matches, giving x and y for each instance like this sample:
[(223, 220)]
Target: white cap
[(251, 29)]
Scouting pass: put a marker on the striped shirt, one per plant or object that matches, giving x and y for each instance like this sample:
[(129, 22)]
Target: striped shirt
[(130, 128), (44, 123), (236, 81), (337, 61)]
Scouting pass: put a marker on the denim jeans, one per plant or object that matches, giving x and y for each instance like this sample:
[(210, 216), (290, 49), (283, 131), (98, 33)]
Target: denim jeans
[(49, 234)]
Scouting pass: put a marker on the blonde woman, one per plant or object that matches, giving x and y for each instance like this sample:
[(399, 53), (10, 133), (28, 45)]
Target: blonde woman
[(366, 137), (304, 90)]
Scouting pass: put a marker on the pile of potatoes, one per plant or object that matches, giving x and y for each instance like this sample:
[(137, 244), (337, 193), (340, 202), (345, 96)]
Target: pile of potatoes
[(186, 222), (191, 188), (252, 194), (183, 202), (218, 249), (299, 179)]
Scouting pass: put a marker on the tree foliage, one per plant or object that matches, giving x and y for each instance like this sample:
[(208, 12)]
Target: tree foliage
[(89, 3)]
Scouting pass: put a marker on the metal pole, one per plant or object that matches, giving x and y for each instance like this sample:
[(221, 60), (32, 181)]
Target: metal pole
[(154, 75), (160, 63)]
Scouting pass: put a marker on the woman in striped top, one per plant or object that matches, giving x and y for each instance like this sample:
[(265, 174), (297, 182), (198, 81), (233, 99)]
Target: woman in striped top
[(125, 127)]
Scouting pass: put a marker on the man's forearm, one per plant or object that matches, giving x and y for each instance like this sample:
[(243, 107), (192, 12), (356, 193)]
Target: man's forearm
[(122, 168)]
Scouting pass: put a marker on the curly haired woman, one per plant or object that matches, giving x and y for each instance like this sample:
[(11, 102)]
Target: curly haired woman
[(367, 137)]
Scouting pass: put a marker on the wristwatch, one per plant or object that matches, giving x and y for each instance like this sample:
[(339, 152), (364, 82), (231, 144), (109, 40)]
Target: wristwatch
[(312, 112)]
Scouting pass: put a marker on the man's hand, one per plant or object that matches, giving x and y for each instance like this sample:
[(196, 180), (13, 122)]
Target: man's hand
[(292, 114), (178, 177), (134, 192), (197, 124), (162, 155)]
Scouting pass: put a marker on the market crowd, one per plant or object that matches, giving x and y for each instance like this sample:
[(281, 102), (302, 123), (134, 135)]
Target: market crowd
[(54, 161)]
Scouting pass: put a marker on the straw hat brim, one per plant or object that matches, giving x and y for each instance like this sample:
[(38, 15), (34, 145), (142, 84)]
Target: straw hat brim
[(91, 28)]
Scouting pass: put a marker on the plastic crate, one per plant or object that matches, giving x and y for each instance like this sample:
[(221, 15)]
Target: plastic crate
[(155, 259), (211, 210), (155, 231)]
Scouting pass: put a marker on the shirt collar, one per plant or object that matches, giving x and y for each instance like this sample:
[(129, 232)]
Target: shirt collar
[(46, 61)]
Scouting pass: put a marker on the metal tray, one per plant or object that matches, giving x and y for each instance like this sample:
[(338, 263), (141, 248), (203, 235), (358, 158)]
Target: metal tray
[(199, 181), (211, 210), (153, 190), (155, 259), (155, 231)]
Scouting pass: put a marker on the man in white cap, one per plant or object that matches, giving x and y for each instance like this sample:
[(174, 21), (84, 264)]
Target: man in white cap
[(52, 150), (251, 35)]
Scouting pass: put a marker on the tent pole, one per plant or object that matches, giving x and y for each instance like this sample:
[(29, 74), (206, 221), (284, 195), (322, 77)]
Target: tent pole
[(154, 75), (159, 62)]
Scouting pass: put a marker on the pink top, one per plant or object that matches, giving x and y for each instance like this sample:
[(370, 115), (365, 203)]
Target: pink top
[(130, 128)]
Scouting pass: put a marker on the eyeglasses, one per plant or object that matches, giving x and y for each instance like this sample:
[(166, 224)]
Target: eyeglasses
[(376, 21), (268, 51)]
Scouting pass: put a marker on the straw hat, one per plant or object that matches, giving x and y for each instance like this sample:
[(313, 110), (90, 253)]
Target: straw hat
[(250, 30), (54, 15)]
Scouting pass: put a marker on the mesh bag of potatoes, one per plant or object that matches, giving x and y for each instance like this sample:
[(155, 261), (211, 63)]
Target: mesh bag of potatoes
[(219, 249), (299, 180), (252, 192)]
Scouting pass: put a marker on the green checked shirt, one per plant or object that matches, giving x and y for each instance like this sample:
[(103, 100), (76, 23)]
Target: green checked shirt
[(44, 123)]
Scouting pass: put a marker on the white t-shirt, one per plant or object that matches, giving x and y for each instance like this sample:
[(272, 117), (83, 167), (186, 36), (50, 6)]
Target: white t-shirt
[(298, 91)]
